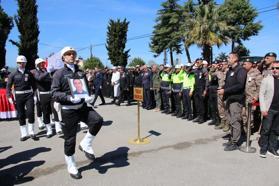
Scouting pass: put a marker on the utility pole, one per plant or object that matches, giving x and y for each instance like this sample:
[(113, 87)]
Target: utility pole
[(91, 55)]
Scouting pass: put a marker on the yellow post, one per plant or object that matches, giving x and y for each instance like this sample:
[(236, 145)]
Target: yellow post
[(138, 140)]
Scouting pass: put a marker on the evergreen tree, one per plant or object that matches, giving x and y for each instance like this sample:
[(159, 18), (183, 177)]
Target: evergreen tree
[(136, 61), (116, 42), (6, 24), (27, 24), (241, 50), (240, 14), (92, 62), (166, 33)]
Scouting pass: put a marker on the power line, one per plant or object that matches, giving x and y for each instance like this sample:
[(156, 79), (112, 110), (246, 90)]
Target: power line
[(270, 6), (269, 10)]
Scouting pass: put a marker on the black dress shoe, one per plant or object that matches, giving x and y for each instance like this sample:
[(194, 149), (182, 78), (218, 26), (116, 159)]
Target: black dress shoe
[(24, 138), (102, 104), (185, 116), (201, 121), (190, 117), (87, 155), (34, 137), (196, 120), (231, 147), (76, 176), (213, 122)]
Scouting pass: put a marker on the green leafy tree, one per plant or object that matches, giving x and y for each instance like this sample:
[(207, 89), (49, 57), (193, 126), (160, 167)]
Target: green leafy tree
[(188, 14), (6, 24), (206, 29), (27, 24), (241, 50), (222, 56), (116, 42), (93, 62), (166, 33), (136, 61), (240, 14)]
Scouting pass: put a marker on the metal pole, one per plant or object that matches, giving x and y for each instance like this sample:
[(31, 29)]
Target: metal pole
[(138, 120)]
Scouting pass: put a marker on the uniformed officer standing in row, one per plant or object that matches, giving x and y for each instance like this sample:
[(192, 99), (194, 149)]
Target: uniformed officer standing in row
[(24, 86), (252, 89), (233, 92), (166, 88), (43, 84), (269, 58), (73, 110)]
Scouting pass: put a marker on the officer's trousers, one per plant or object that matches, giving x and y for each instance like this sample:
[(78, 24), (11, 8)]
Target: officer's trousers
[(177, 103), (70, 120), (25, 101), (45, 100), (147, 98), (165, 99), (199, 103), (234, 118), (98, 92), (187, 106)]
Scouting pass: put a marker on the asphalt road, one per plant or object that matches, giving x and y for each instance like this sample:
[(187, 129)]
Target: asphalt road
[(180, 153)]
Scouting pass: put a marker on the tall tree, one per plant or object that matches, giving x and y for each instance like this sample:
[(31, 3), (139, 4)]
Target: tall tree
[(27, 24), (136, 61), (116, 42), (187, 15), (93, 62), (166, 33), (6, 24), (241, 50), (206, 29), (240, 14)]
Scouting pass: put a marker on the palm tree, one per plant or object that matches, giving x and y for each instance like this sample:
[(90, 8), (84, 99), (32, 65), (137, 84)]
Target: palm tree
[(206, 29)]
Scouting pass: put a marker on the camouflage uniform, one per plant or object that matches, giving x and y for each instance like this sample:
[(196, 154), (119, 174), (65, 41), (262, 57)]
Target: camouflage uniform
[(252, 89), (221, 75)]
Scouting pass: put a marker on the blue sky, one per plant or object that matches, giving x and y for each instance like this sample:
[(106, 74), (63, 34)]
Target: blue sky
[(84, 22)]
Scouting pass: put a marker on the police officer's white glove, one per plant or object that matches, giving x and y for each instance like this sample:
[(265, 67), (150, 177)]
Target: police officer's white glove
[(75, 100), (35, 100), (89, 99), (10, 100)]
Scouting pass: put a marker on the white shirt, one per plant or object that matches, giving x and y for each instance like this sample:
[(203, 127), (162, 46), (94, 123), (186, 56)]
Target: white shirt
[(115, 77)]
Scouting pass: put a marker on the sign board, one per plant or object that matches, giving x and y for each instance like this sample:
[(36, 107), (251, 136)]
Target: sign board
[(138, 94)]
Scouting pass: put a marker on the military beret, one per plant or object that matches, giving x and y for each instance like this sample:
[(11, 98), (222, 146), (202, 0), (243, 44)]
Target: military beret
[(271, 54)]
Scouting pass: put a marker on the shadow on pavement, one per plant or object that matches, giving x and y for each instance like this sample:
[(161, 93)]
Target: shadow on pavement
[(114, 159), (17, 173), (2, 149), (152, 133), (107, 123)]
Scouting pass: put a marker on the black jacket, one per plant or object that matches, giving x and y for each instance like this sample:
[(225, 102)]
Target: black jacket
[(234, 89), (20, 81), (61, 91)]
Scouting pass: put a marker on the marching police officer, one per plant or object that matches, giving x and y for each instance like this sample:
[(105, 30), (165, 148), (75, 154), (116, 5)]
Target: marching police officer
[(73, 110), (24, 85), (43, 83)]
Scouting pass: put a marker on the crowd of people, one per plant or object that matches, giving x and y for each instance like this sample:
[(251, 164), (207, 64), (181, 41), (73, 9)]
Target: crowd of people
[(223, 92)]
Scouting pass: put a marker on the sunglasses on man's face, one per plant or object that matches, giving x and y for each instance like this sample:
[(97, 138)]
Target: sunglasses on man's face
[(70, 53), (275, 68)]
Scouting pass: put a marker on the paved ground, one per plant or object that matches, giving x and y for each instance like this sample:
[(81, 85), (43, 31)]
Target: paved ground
[(180, 153)]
